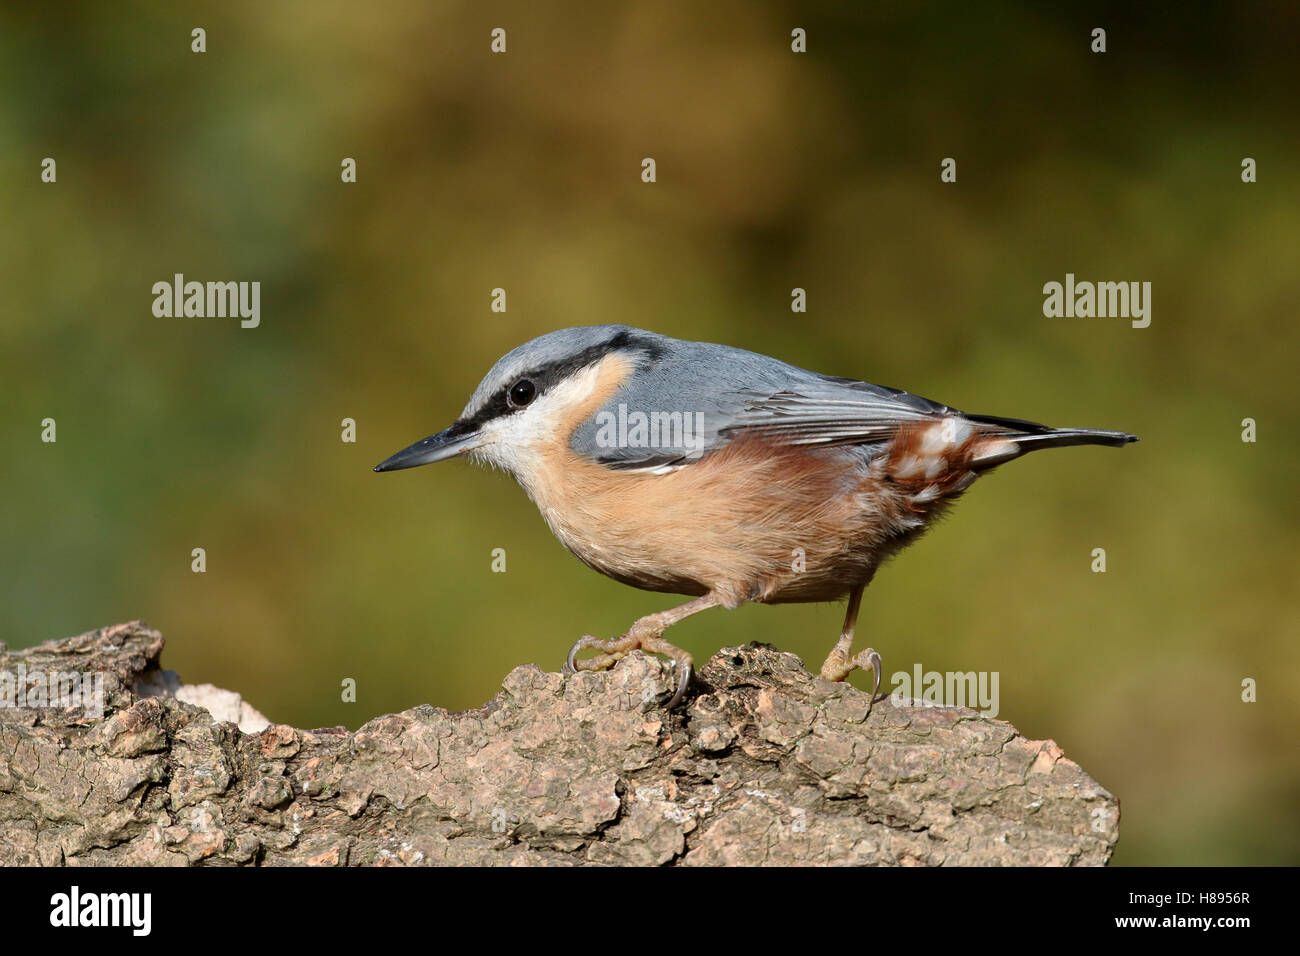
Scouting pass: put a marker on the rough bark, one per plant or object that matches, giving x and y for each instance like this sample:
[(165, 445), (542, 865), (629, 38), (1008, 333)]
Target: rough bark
[(766, 764)]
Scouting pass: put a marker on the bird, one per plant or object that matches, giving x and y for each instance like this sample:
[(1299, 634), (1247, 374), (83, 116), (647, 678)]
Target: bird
[(723, 475)]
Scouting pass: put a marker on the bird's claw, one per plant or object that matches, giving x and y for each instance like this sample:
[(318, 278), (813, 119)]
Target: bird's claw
[(684, 668), (683, 681), (840, 665), (571, 659), (875, 663)]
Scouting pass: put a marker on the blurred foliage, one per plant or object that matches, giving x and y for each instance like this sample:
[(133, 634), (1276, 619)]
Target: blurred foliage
[(775, 170)]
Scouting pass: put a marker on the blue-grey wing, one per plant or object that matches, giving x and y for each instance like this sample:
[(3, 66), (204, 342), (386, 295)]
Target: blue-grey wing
[(721, 393), (834, 411)]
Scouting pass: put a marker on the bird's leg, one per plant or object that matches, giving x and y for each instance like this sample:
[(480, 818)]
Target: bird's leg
[(646, 634), (841, 662)]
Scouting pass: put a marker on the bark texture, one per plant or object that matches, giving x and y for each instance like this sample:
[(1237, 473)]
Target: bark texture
[(766, 764)]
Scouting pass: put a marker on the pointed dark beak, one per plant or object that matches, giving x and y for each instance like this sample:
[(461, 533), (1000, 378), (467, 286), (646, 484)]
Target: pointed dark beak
[(448, 443)]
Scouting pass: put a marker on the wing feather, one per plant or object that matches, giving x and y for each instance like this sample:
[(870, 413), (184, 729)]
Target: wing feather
[(834, 411)]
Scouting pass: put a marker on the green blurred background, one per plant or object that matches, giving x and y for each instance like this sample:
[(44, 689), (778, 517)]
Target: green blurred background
[(775, 170)]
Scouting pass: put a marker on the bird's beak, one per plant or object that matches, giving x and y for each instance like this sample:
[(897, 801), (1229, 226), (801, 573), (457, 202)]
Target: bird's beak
[(448, 443)]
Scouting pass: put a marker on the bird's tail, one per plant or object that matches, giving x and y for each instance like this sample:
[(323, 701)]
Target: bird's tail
[(1031, 436)]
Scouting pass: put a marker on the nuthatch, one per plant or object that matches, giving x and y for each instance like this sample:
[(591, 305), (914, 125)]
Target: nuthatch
[(706, 470)]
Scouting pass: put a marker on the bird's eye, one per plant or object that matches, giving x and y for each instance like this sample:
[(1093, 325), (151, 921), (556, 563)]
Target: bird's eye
[(522, 392)]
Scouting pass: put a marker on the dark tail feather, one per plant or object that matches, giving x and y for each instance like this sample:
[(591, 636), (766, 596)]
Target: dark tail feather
[(1061, 437), (1031, 436)]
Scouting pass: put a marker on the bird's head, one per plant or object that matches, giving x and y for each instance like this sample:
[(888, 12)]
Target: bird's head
[(534, 395)]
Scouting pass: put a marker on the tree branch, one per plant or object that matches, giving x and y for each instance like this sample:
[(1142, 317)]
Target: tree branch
[(767, 764)]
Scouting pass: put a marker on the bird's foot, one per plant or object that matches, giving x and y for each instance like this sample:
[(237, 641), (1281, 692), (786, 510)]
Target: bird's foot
[(841, 662), (614, 649)]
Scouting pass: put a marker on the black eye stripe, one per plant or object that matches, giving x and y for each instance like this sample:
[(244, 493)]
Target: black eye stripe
[(544, 377)]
